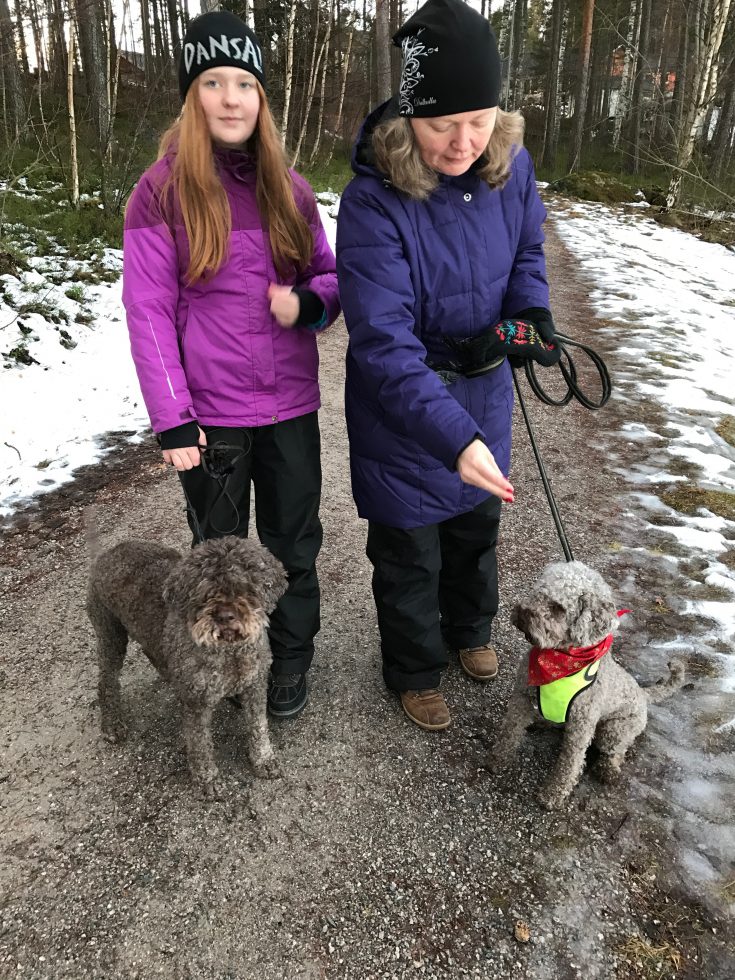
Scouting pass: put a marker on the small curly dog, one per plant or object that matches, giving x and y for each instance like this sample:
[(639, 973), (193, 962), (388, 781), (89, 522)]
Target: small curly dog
[(201, 620), (570, 678)]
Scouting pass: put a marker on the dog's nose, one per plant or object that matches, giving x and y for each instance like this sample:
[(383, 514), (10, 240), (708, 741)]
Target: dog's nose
[(224, 616)]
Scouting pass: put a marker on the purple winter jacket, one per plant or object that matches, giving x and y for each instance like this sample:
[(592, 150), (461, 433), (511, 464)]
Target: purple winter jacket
[(211, 351), (412, 273)]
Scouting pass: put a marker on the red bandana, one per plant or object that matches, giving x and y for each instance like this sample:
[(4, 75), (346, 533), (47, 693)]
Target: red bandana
[(545, 666)]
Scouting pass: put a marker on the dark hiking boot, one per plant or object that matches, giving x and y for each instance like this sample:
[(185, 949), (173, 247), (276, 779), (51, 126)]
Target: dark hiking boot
[(427, 709), (479, 663), (287, 695)]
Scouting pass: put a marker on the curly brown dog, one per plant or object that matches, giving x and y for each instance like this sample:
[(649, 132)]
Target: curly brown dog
[(201, 620)]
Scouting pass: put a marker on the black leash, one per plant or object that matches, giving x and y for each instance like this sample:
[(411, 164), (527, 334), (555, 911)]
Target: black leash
[(569, 373), (218, 463)]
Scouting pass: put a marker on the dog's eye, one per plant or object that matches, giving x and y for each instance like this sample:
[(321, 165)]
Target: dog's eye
[(557, 610)]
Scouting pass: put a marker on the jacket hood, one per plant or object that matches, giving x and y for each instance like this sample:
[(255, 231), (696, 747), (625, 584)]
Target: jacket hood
[(363, 154)]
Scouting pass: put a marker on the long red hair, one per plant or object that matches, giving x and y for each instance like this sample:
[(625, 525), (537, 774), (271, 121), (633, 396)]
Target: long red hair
[(203, 201)]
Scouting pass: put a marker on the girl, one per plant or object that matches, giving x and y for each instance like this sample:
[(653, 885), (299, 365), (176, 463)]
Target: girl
[(227, 277)]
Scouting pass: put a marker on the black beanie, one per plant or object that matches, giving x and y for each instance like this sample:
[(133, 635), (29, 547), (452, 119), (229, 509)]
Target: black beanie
[(450, 61), (218, 40)]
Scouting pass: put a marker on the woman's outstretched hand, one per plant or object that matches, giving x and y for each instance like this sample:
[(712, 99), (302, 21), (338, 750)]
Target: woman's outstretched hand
[(186, 458), (285, 304), (476, 465)]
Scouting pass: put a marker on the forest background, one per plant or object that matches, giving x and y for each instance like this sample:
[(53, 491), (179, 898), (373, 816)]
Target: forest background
[(620, 97)]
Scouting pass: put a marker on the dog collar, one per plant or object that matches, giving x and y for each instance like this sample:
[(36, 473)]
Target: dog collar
[(548, 665)]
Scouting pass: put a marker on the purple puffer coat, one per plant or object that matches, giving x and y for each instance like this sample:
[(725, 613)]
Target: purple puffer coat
[(212, 352), (410, 274)]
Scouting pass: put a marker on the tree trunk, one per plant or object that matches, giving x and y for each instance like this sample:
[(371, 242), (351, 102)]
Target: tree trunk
[(320, 120), (145, 26), (575, 154), (382, 48), (14, 115), (288, 80), (94, 58), (518, 35), (74, 166), (704, 86), (723, 138), (343, 88), (173, 29), (682, 73), (20, 34), (548, 150), (161, 53), (310, 96), (642, 71), (263, 30), (37, 41), (631, 44)]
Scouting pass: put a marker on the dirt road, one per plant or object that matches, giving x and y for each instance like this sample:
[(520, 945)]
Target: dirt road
[(383, 852)]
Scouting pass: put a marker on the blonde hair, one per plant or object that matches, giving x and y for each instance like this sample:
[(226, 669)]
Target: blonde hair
[(203, 200), (398, 156)]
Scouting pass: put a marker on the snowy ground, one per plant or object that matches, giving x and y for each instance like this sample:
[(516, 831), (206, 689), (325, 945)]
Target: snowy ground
[(80, 383), (669, 300)]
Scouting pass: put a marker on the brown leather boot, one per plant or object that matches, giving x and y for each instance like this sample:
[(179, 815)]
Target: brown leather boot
[(479, 663), (427, 709)]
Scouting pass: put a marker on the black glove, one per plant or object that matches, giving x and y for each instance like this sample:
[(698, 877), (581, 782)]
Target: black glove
[(180, 437), (542, 319)]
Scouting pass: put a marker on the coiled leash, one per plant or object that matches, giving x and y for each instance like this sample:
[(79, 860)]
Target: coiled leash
[(569, 373), (520, 342), (219, 463)]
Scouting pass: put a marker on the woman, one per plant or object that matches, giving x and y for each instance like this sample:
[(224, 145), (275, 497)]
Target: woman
[(227, 278), (438, 238)]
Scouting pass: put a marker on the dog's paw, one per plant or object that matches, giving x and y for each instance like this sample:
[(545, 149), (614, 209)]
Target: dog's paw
[(268, 768), (608, 772), (209, 790), (550, 800), (497, 762), (114, 730)]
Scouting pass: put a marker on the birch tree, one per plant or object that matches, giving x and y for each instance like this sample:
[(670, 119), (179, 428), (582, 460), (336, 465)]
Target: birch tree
[(325, 62), (74, 165), (382, 49), (622, 107), (288, 81), (711, 19)]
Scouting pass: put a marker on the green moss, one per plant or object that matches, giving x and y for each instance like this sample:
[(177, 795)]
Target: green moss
[(20, 355), (75, 292), (592, 185), (668, 360), (725, 429), (689, 499)]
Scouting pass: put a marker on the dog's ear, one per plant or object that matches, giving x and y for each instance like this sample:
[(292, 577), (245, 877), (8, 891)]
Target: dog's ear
[(177, 587), (271, 581), (592, 620)]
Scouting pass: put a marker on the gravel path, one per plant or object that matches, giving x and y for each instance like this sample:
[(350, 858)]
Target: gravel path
[(383, 852)]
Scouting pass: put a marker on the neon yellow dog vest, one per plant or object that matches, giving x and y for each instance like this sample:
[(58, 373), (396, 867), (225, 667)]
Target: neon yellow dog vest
[(555, 698)]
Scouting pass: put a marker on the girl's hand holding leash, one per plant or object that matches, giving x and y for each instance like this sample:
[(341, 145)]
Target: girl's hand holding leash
[(476, 465), (285, 304), (186, 458)]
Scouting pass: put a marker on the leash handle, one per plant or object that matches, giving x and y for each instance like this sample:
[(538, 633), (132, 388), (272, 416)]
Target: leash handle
[(220, 468), (544, 478), (569, 373)]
